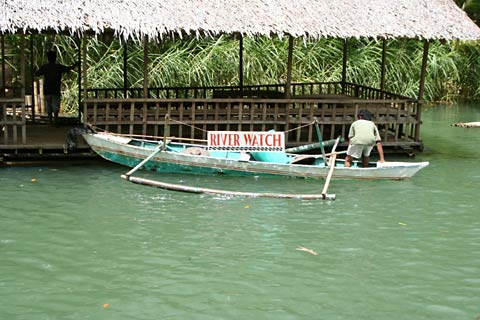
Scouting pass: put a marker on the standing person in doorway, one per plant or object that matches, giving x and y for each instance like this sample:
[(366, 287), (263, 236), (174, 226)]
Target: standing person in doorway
[(363, 136), (52, 74)]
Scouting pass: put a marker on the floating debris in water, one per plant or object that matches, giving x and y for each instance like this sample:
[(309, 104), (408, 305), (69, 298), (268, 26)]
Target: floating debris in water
[(299, 248)]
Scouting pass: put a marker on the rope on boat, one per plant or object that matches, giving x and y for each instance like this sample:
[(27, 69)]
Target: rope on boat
[(198, 190), (98, 129)]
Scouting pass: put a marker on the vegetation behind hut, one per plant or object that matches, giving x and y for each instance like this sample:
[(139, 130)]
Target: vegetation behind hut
[(451, 73)]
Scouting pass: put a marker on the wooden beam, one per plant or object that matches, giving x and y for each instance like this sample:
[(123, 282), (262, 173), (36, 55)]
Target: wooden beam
[(32, 77), (384, 62), (22, 91), (125, 69), (79, 76), (84, 74), (2, 94), (22, 65), (421, 89), (145, 66), (344, 64), (289, 68), (240, 71)]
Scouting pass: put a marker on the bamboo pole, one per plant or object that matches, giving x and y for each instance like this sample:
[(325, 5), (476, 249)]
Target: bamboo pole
[(79, 76), (344, 64), (166, 132), (32, 78), (198, 190), (138, 166), (145, 66), (2, 94), (421, 89), (240, 66), (333, 158), (289, 68), (384, 62), (308, 147), (85, 78), (22, 91), (125, 69), (320, 140)]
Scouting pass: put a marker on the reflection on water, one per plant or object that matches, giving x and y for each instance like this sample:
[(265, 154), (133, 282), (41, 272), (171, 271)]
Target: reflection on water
[(78, 242)]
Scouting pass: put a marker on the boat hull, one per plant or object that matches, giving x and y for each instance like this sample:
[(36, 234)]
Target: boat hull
[(121, 150)]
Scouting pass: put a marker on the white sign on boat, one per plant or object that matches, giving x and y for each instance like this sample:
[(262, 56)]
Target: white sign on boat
[(243, 141)]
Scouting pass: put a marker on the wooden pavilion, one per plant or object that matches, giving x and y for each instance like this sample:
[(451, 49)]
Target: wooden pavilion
[(289, 107)]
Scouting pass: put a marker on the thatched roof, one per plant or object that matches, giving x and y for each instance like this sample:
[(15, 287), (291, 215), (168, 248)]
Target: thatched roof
[(422, 19)]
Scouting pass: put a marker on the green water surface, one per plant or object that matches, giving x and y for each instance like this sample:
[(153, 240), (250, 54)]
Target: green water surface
[(78, 242)]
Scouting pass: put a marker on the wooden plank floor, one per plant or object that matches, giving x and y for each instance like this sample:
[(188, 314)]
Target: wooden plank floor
[(40, 136), (44, 143)]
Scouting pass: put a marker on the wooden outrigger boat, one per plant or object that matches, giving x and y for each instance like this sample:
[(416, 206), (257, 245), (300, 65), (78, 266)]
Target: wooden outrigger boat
[(174, 157)]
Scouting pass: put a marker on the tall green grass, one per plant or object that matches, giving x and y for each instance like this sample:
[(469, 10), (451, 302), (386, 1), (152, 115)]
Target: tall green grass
[(451, 73)]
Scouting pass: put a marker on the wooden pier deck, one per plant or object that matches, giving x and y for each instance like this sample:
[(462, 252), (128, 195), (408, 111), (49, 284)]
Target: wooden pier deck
[(193, 111), (44, 143)]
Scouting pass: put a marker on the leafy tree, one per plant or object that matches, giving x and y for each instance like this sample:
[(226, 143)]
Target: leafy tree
[(472, 8)]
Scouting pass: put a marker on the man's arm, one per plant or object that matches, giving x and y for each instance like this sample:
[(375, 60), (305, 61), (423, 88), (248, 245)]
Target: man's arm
[(70, 68), (380, 151), (40, 72)]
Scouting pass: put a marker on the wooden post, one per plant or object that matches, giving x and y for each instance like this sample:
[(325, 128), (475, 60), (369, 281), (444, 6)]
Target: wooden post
[(240, 71), (320, 140), (384, 62), (421, 90), (344, 64), (2, 94), (289, 68), (125, 69), (166, 132), (23, 84), (22, 65), (84, 74), (145, 67), (79, 76), (32, 77)]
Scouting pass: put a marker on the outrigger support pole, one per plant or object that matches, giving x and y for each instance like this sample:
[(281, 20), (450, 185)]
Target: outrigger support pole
[(320, 140), (333, 158), (166, 132), (160, 147), (138, 166)]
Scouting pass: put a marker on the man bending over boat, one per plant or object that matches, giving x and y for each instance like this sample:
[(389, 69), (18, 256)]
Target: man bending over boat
[(363, 136)]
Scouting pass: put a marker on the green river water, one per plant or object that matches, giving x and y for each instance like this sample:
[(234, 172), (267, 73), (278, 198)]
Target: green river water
[(78, 242)]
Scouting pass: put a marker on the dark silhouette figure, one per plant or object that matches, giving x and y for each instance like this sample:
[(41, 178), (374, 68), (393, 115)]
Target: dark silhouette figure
[(52, 73)]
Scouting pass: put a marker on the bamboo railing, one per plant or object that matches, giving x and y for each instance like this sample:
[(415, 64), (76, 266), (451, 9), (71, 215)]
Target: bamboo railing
[(253, 109), (196, 110), (13, 124)]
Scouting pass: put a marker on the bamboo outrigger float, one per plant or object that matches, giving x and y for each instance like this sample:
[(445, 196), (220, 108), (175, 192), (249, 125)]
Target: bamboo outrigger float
[(467, 124)]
